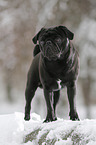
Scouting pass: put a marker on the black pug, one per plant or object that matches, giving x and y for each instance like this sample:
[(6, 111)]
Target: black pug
[(55, 65)]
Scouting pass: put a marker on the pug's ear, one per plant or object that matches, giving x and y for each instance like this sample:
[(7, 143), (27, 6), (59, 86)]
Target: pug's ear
[(36, 37), (68, 33)]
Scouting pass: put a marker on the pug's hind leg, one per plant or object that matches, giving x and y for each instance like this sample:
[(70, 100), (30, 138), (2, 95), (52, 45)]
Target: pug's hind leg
[(49, 97), (31, 87), (29, 94)]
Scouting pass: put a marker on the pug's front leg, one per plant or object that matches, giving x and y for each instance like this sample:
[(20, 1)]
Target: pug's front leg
[(49, 97), (71, 91)]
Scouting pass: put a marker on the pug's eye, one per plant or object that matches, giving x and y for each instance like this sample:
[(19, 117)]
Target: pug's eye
[(41, 43), (58, 40)]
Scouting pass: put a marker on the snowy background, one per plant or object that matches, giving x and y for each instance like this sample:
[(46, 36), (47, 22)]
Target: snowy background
[(19, 22)]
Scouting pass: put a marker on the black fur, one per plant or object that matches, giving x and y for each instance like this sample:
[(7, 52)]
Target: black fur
[(55, 65)]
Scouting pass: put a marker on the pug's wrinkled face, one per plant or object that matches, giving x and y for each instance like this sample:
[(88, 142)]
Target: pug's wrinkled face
[(52, 45), (53, 42)]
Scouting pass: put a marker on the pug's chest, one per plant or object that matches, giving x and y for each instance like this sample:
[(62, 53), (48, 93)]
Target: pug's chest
[(55, 85), (56, 68), (58, 79), (57, 74), (60, 85)]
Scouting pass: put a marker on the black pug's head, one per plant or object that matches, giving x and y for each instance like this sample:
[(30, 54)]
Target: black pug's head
[(53, 42)]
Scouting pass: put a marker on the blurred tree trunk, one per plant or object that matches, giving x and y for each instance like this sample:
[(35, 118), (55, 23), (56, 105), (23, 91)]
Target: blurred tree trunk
[(86, 88), (8, 84)]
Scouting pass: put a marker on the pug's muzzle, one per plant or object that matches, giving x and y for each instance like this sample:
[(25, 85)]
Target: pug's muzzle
[(52, 51)]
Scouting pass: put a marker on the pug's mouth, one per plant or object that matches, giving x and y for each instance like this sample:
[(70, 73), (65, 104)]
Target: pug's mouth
[(52, 53)]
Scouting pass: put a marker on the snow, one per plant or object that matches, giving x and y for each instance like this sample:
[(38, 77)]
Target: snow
[(14, 130)]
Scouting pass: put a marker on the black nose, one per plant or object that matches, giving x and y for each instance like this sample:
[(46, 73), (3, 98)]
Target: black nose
[(48, 42)]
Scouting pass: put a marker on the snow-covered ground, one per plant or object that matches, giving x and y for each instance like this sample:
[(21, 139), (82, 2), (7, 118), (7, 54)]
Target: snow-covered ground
[(15, 131)]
